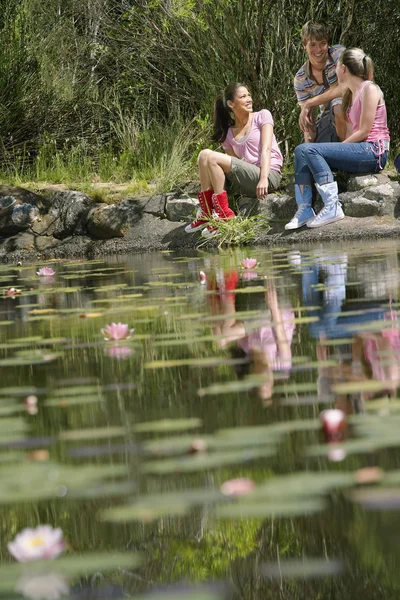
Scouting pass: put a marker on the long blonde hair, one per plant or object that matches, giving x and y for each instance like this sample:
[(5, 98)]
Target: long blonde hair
[(359, 64)]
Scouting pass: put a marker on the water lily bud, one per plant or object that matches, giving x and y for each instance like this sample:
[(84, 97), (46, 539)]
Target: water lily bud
[(31, 400), (336, 454), (197, 446), (237, 487), (334, 424), (203, 278)]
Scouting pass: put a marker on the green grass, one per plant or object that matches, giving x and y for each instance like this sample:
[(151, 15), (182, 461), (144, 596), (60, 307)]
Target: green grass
[(239, 231), (159, 159)]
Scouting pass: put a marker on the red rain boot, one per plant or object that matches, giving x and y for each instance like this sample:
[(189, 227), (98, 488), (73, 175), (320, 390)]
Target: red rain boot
[(221, 211), (203, 213)]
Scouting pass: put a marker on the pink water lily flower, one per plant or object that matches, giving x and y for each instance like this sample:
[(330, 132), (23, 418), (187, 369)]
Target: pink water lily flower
[(237, 487), (249, 275), (45, 272), (249, 263), (43, 586), (117, 331), (334, 424), (12, 292), (203, 277), (42, 543), (119, 352)]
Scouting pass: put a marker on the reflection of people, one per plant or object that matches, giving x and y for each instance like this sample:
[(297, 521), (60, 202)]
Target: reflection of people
[(269, 346), (373, 355), (222, 303), (364, 150), (252, 161), (265, 343), (376, 355), (316, 84)]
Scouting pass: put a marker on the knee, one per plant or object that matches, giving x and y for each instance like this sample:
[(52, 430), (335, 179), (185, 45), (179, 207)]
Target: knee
[(203, 157), (299, 152)]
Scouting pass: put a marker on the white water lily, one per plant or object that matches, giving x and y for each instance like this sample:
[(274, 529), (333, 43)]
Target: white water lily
[(43, 586), (42, 543)]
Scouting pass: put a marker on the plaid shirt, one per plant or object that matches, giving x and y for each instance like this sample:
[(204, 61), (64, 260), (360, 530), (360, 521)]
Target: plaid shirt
[(305, 85)]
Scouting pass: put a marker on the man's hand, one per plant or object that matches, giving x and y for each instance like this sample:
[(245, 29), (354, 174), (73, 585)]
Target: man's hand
[(262, 188), (306, 119)]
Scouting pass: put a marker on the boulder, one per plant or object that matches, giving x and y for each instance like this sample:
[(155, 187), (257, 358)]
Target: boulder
[(380, 193), (155, 205), (108, 221), (19, 208), (278, 207), (181, 209), (362, 207), (359, 182), (23, 196), (44, 225), (23, 215), (70, 210)]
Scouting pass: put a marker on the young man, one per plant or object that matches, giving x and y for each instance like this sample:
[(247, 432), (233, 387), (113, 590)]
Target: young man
[(316, 84)]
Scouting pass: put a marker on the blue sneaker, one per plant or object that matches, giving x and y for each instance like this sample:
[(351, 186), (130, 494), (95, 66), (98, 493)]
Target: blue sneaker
[(329, 214), (303, 214)]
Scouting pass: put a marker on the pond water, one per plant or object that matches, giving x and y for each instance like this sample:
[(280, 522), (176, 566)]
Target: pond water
[(189, 458)]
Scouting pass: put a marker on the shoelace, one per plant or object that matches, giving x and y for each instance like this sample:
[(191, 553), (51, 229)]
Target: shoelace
[(300, 210), (326, 209)]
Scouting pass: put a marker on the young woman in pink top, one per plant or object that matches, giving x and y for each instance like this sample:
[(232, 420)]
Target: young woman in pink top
[(364, 150), (252, 161)]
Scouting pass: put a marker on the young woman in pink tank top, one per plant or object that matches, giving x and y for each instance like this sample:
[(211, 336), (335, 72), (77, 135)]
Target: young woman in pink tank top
[(252, 161), (364, 150)]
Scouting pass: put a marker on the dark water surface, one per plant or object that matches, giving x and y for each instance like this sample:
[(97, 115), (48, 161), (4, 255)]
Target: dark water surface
[(130, 442)]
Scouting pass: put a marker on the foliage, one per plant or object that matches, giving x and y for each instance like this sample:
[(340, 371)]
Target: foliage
[(115, 82), (239, 231)]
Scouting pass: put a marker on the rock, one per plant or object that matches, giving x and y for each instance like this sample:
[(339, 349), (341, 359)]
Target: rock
[(23, 196), (191, 188), (181, 209), (153, 206), (6, 205), (362, 207), (24, 241), (380, 193), (278, 207), (44, 225), (70, 210), (107, 221), (248, 207), (156, 205), (46, 242), (23, 215), (359, 182)]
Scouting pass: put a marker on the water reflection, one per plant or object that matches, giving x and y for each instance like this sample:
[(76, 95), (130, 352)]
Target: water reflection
[(262, 345), (116, 423)]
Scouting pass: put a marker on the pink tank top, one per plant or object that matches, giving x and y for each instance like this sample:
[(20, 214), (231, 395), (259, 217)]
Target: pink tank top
[(379, 130)]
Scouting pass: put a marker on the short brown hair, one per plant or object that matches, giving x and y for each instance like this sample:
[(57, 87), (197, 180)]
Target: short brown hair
[(315, 31)]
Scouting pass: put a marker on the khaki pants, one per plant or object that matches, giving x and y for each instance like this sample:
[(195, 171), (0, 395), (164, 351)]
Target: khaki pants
[(244, 178)]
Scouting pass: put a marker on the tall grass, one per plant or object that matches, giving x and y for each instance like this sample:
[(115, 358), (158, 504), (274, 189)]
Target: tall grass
[(157, 159)]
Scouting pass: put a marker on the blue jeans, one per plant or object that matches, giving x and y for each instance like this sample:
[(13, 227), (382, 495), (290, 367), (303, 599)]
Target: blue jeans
[(313, 162)]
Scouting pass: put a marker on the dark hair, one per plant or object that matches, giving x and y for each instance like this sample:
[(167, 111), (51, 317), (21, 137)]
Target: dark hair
[(222, 113), (359, 64), (315, 31)]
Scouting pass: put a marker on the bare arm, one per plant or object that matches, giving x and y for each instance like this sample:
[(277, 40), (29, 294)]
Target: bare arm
[(371, 95), (333, 92), (267, 132), (336, 91)]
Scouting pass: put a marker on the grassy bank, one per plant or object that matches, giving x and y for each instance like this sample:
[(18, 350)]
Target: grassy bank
[(154, 160)]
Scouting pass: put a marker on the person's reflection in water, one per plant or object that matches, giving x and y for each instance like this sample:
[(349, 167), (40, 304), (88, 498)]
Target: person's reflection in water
[(264, 343), (371, 355)]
